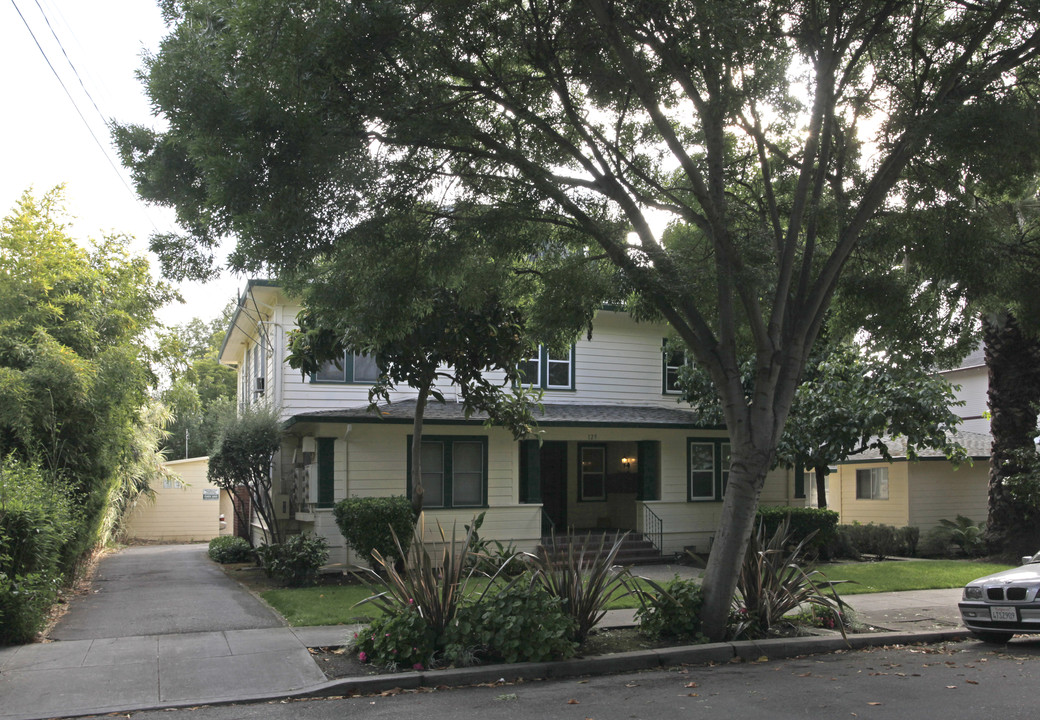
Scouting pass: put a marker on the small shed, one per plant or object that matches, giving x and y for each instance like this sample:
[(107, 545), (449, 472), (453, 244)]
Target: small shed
[(187, 507)]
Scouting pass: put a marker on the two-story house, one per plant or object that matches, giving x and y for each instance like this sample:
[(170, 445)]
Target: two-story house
[(614, 449)]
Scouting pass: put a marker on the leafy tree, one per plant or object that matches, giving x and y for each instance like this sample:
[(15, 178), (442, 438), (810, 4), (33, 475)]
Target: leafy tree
[(407, 291), (242, 457), (781, 131), (74, 370), (201, 392), (850, 401)]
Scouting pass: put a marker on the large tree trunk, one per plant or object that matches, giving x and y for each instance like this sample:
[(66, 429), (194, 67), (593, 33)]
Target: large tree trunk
[(1013, 360), (746, 478)]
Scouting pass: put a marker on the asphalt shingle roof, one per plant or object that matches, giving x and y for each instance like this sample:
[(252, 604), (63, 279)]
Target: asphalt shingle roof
[(977, 445), (451, 413)]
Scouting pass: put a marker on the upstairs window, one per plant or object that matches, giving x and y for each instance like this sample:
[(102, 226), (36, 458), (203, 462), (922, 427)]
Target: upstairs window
[(549, 370), (355, 368)]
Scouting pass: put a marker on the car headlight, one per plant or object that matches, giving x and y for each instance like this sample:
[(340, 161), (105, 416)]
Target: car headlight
[(973, 592)]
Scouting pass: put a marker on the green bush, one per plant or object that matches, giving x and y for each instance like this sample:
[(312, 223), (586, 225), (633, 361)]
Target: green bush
[(519, 623), (366, 524), (880, 541), (403, 641), (909, 538), (296, 561), (230, 549), (803, 522), (36, 528), (674, 611)]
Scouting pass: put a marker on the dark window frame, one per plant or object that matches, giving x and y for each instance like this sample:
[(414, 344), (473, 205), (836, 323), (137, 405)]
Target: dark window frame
[(721, 452), (544, 361), (582, 447), (348, 370), (447, 443)]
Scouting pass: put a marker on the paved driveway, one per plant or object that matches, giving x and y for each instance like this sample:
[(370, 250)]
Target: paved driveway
[(161, 590)]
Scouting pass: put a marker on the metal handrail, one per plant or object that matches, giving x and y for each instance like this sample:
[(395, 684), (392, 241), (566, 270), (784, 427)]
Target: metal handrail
[(548, 526), (653, 527)]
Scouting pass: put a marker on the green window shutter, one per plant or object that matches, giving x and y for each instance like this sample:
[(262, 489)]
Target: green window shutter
[(649, 463), (530, 472), (326, 472)]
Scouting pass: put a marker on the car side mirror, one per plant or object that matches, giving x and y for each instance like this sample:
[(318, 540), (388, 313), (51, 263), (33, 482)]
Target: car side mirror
[(1026, 559)]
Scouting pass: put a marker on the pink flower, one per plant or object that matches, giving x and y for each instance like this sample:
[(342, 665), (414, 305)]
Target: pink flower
[(362, 657), (411, 601), (417, 666)]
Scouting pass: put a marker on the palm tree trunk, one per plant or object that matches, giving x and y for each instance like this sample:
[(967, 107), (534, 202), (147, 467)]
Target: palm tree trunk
[(1013, 360)]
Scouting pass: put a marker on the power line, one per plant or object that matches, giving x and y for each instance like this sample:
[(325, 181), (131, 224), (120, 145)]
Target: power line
[(69, 61), (104, 150)]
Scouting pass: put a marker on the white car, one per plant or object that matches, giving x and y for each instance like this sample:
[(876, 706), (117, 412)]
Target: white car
[(997, 606)]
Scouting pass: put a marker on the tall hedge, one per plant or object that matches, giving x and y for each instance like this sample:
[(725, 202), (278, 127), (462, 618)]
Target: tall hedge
[(36, 525), (366, 522)]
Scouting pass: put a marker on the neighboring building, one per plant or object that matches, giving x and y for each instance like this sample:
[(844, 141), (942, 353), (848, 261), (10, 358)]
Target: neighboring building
[(921, 492), (971, 385), (615, 449), (867, 488), (187, 507)]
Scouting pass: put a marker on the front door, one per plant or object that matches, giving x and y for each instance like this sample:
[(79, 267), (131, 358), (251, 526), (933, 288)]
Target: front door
[(553, 461)]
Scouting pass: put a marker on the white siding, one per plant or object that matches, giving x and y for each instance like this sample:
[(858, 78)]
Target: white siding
[(972, 386), (179, 513)]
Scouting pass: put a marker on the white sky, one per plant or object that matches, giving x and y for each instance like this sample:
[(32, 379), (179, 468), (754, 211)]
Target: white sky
[(44, 140)]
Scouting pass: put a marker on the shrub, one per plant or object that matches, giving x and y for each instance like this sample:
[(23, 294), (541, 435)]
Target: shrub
[(296, 561), (966, 535), (36, 528), (881, 541), (674, 611), (434, 590), (937, 543), (585, 580), (841, 546), (772, 582), (369, 524), (230, 549), (909, 538), (804, 522), (400, 641), (519, 623)]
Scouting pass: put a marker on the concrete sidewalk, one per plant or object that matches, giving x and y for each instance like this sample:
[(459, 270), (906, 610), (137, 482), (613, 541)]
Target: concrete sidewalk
[(81, 677)]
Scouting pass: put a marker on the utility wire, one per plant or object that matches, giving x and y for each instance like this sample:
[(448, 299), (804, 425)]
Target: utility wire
[(71, 65), (75, 105)]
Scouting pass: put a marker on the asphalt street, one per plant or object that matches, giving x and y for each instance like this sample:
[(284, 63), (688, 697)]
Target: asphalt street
[(955, 680)]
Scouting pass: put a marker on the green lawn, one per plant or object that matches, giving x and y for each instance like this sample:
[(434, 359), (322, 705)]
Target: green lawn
[(334, 605), (895, 575)]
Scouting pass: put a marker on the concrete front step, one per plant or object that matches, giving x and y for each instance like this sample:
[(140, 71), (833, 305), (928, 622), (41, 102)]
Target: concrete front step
[(634, 549)]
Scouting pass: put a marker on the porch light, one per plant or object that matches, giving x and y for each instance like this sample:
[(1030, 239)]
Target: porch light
[(627, 463)]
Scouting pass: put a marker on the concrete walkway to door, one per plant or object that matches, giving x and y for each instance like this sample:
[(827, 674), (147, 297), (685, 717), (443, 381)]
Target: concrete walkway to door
[(161, 625)]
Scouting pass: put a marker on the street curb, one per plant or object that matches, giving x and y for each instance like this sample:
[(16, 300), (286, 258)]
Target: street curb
[(710, 654), (704, 655)]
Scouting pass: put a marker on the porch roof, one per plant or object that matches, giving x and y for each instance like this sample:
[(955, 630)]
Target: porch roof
[(550, 415)]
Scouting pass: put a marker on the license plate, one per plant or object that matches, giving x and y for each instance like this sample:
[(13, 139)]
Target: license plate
[(1003, 614)]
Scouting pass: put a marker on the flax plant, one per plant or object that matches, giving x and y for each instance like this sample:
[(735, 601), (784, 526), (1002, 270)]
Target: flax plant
[(773, 582), (434, 590), (586, 580)]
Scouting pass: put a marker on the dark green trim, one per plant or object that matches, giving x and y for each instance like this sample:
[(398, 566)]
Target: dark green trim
[(530, 471), (580, 488), (648, 455), (720, 475), (447, 441), (326, 457), (893, 461), (799, 480)]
